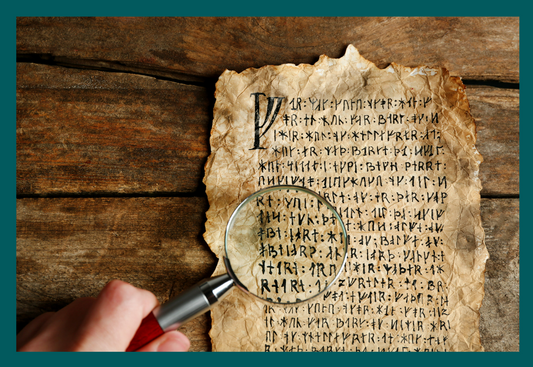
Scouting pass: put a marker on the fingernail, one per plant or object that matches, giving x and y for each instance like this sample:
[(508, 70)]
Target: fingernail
[(174, 342)]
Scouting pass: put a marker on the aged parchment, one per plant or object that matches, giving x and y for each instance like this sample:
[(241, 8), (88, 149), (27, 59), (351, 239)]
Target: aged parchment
[(394, 151)]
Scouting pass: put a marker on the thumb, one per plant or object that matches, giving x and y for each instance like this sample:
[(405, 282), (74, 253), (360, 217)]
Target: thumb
[(172, 341)]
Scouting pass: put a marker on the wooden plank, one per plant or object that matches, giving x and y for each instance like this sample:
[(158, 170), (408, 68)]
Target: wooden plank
[(500, 312), (497, 115), (92, 132), (69, 248), (194, 48)]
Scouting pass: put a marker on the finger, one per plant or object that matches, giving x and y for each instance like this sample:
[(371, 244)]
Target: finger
[(32, 329), (172, 341), (56, 331), (115, 317)]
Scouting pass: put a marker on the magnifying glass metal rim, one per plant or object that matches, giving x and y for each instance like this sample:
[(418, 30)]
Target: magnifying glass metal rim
[(258, 193)]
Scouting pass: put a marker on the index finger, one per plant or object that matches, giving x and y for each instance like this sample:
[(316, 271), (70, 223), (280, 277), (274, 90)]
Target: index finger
[(115, 317)]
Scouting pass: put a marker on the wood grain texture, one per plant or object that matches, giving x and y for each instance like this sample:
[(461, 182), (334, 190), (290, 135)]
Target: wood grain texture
[(497, 115), (69, 248), (196, 48), (500, 311), (92, 132)]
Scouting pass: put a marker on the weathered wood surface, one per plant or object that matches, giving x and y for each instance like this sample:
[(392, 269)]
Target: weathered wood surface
[(87, 137), (71, 247), (92, 132), (197, 48), (496, 111), (96, 132), (500, 311)]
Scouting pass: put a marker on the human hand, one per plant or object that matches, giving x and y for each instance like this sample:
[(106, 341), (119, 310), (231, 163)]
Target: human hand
[(105, 323)]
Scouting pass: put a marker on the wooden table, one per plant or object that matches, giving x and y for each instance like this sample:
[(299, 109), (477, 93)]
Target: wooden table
[(113, 122)]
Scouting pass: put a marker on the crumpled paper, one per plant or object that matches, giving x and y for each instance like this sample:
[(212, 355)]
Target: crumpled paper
[(394, 151)]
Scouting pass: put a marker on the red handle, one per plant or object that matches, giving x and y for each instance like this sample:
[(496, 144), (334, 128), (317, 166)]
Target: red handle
[(148, 331)]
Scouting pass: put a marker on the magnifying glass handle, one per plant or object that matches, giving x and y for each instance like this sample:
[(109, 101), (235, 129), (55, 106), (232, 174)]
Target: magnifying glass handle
[(181, 309)]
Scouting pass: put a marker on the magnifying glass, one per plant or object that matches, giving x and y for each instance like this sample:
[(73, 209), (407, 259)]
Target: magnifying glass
[(283, 244)]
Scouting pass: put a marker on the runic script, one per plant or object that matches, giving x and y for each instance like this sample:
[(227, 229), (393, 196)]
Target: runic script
[(393, 150)]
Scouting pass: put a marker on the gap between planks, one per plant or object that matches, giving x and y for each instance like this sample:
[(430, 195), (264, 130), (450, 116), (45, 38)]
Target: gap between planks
[(114, 67)]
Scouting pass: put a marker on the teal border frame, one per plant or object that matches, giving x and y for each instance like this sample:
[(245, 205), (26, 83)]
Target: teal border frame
[(244, 8)]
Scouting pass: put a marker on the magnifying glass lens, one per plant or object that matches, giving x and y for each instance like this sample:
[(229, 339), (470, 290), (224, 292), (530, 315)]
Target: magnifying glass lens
[(285, 244)]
